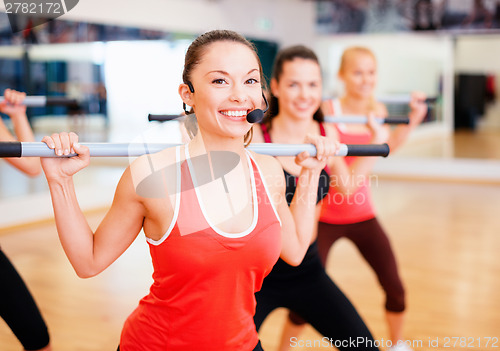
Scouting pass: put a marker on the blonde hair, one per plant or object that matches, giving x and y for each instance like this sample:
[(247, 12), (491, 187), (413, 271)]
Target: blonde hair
[(351, 52)]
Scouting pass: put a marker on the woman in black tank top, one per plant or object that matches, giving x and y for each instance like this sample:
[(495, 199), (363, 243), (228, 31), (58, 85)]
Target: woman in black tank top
[(306, 290), (17, 306)]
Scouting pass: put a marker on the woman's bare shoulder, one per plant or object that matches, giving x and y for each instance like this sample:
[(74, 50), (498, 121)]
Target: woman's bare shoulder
[(269, 166), (154, 170)]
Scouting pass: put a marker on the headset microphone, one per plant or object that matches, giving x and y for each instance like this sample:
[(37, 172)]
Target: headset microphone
[(257, 115)]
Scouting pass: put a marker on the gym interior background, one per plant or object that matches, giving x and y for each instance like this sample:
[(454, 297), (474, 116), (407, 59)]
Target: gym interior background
[(122, 60)]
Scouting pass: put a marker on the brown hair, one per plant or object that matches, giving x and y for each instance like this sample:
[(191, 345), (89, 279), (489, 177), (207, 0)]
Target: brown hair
[(287, 55), (198, 48)]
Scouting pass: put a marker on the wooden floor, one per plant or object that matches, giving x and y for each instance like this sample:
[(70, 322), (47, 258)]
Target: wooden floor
[(486, 144), (480, 144), (446, 237)]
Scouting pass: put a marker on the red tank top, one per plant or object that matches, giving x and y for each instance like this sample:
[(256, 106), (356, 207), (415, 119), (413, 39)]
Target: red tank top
[(202, 297), (338, 208)]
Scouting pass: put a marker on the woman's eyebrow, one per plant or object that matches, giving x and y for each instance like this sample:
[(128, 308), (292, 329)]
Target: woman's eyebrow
[(217, 71), (226, 73)]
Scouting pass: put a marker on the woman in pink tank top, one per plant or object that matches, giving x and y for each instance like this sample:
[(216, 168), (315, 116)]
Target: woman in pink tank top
[(347, 210), (212, 239)]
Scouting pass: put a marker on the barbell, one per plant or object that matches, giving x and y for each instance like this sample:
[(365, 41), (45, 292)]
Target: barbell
[(39, 149), (402, 99), (329, 119), (364, 119), (41, 101)]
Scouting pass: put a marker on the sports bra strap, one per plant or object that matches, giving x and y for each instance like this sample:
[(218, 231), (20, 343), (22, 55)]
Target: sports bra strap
[(265, 133), (323, 133), (322, 129)]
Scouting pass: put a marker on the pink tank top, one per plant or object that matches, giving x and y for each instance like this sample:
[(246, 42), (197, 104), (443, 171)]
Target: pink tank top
[(202, 297), (338, 208)]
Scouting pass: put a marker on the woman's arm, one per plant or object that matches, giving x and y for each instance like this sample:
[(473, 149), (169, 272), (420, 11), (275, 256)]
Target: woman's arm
[(347, 178), (303, 211), (298, 220), (89, 252), (418, 111), (12, 106)]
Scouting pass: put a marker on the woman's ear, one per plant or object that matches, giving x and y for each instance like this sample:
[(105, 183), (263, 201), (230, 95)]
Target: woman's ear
[(274, 87), (186, 94)]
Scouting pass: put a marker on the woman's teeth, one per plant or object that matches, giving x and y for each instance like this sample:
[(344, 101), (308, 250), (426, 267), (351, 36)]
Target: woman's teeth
[(234, 113)]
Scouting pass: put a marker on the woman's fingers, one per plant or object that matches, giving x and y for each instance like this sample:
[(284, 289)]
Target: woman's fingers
[(332, 147), (418, 108), (325, 147), (82, 151), (74, 146), (56, 139), (304, 155), (49, 141), (64, 144), (320, 149), (14, 97), (418, 96)]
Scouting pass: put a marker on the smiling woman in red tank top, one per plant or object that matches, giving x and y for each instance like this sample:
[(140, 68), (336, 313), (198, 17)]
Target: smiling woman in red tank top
[(211, 242)]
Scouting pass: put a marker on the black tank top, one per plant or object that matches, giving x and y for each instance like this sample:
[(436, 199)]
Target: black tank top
[(291, 180)]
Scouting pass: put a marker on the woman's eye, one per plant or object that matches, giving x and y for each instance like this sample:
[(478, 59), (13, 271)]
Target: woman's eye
[(252, 81), (219, 81)]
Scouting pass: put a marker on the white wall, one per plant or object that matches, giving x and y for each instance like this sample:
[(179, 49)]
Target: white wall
[(141, 77), (286, 21), (478, 54)]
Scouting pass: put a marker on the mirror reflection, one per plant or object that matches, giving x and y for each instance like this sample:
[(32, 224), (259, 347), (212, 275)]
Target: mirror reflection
[(118, 75)]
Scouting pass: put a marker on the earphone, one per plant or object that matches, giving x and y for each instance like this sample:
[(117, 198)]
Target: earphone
[(254, 116)]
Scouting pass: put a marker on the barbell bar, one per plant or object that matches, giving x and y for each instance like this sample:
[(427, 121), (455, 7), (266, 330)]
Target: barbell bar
[(41, 101), (402, 99), (329, 119), (364, 119), (39, 149)]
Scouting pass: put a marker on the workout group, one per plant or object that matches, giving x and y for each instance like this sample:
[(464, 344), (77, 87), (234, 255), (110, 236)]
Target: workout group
[(249, 242)]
